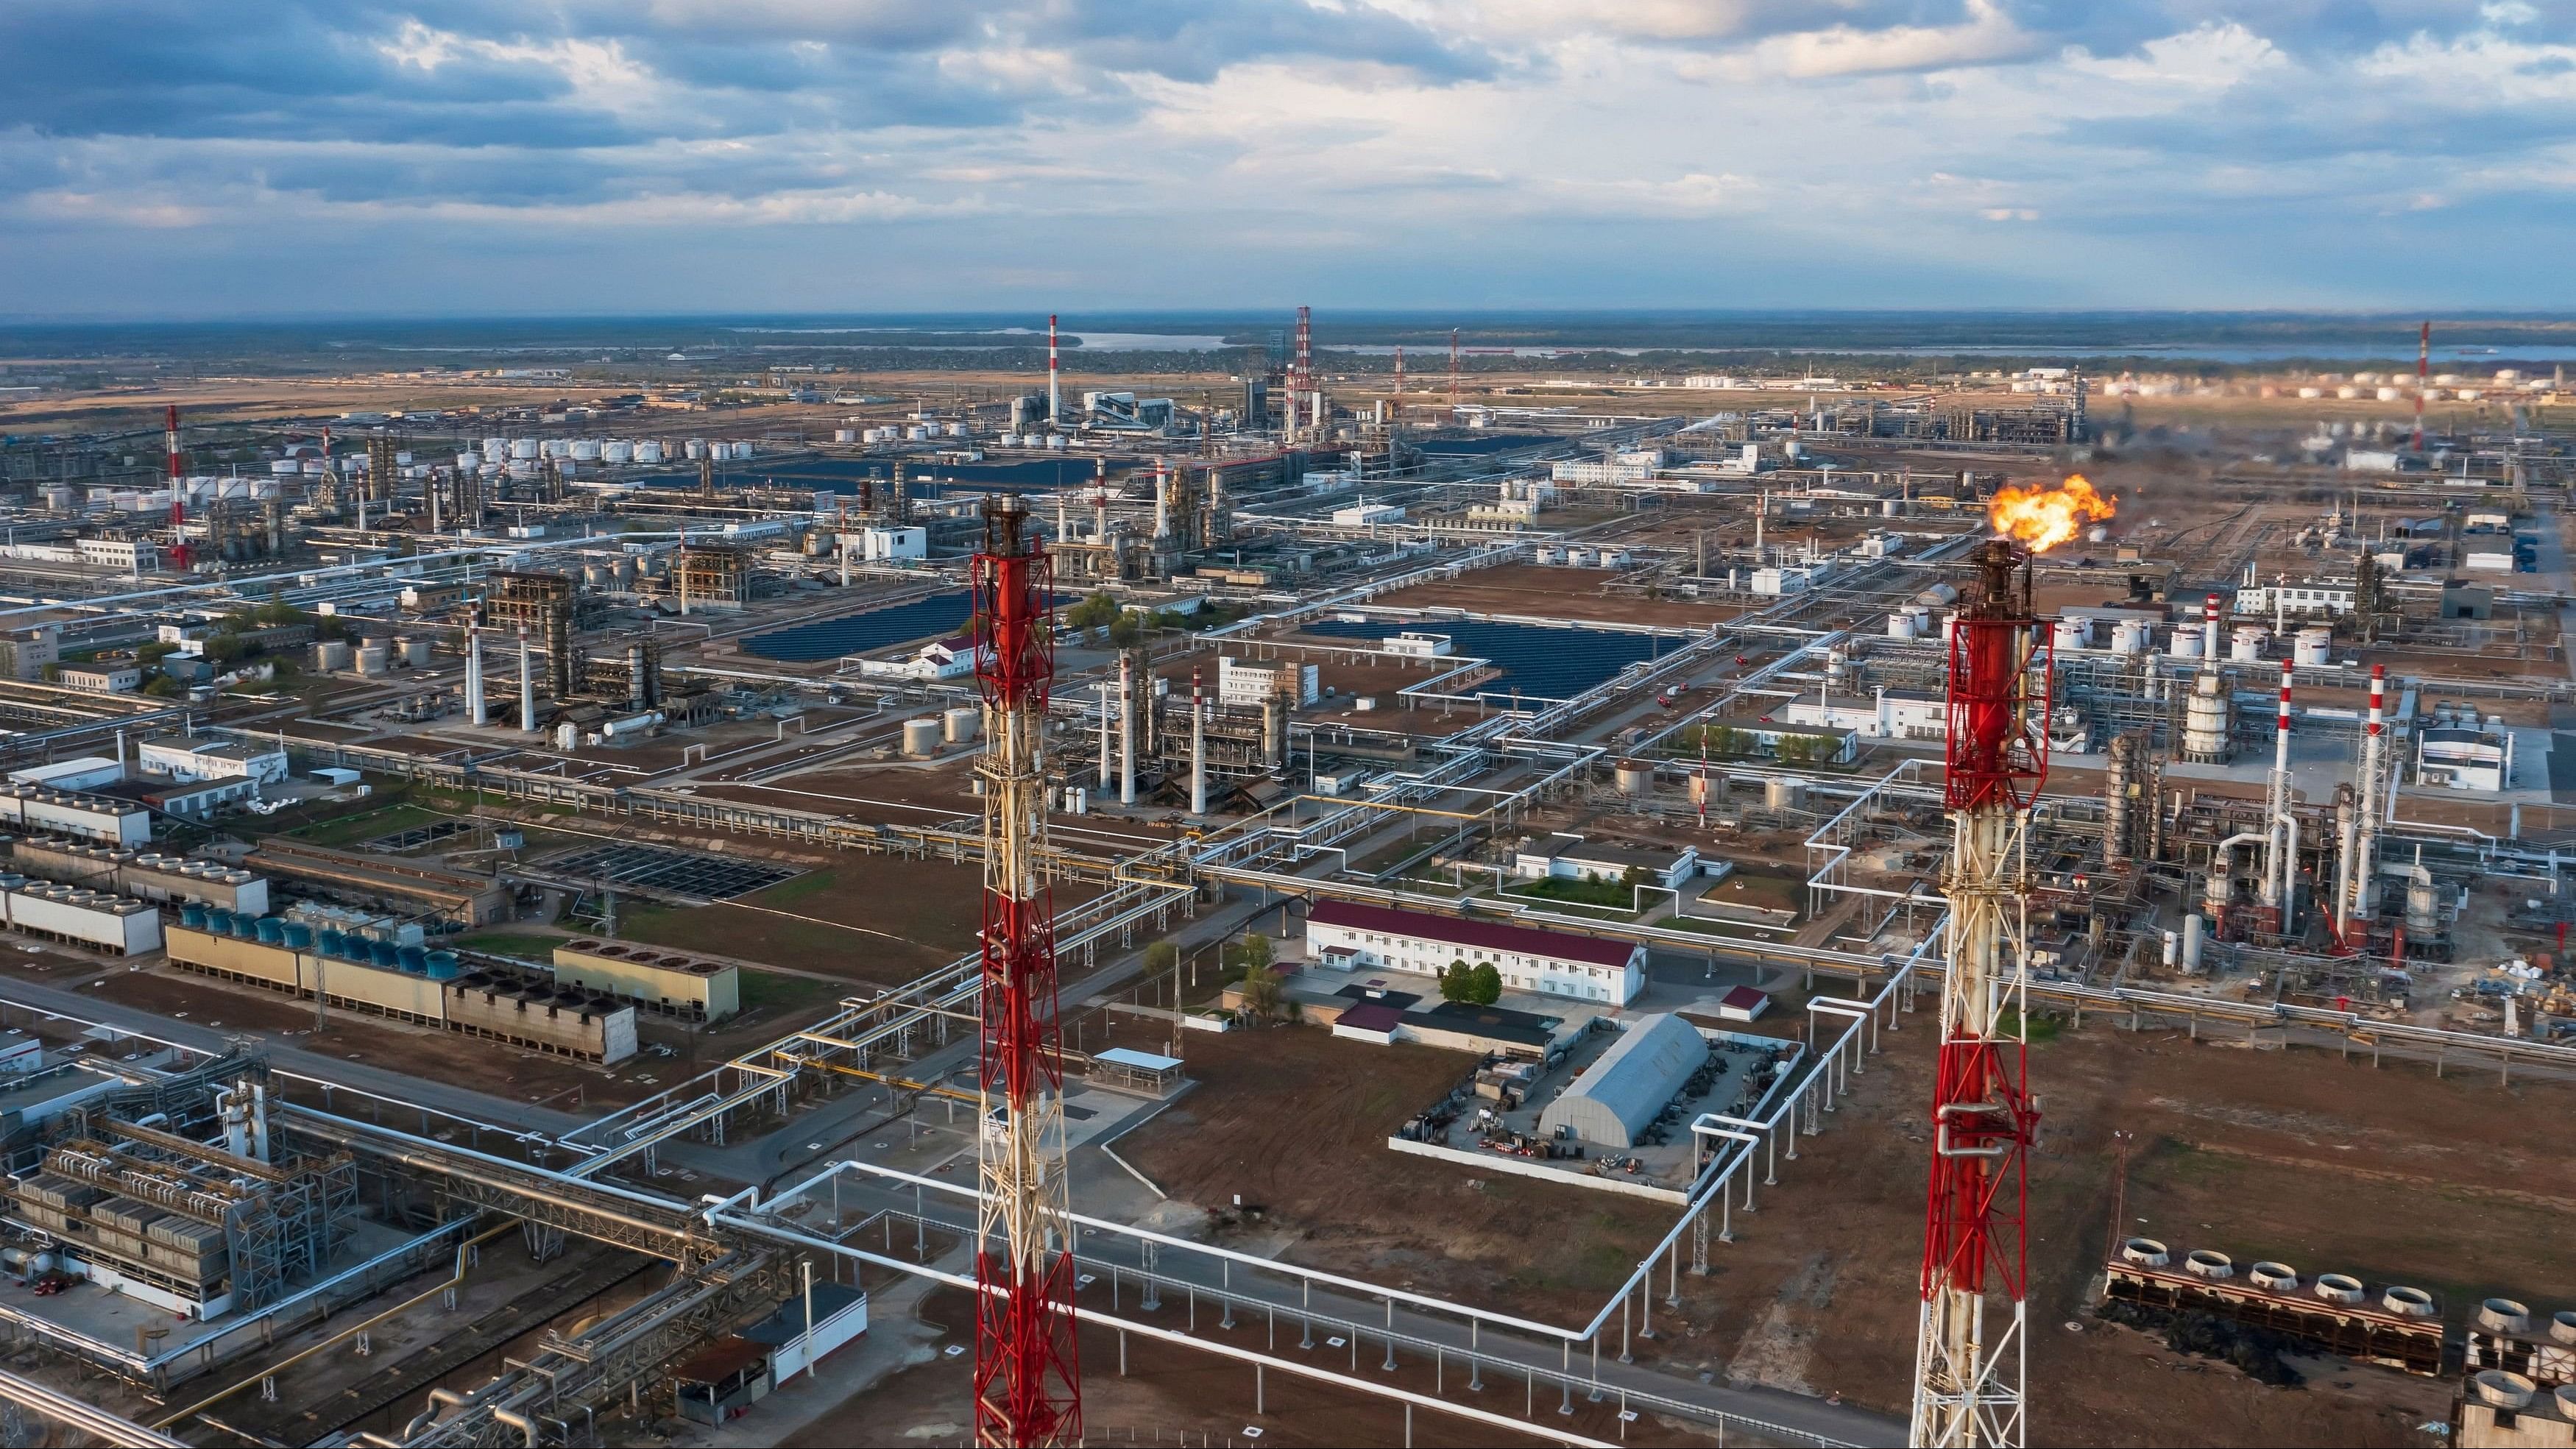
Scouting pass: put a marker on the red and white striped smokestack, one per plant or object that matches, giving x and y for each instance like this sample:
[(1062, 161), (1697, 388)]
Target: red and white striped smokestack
[(1055, 395), (178, 493), (2209, 631), (2378, 698), (2423, 374)]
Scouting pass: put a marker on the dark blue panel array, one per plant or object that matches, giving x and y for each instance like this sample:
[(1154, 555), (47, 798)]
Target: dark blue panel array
[(1541, 662), (931, 618)]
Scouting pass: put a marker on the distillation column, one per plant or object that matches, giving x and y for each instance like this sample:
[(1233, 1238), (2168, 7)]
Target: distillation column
[(2374, 771), (1198, 747)]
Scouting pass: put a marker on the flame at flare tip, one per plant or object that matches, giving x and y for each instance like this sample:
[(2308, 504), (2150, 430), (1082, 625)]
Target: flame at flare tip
[(2044, 517)]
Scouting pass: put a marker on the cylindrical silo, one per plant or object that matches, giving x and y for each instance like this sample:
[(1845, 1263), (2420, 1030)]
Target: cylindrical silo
[(959, 726), (921, 737)]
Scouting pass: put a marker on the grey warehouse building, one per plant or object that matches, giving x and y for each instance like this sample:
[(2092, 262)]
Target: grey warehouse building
[(1618, 1096)]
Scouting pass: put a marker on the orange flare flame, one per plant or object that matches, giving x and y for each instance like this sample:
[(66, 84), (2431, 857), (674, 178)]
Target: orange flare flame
[(2042, 518)]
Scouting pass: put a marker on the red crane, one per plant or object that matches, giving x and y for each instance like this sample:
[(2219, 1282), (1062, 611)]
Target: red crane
[(1026, 1388), (1968, 1371), (178, 494)]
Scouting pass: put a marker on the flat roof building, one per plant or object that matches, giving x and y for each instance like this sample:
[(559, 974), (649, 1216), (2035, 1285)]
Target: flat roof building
[(1343, 935)]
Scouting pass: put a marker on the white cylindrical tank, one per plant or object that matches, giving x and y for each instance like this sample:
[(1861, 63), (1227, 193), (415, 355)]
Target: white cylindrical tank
[(558, 447), (1635, 777), (921, 737), (496, 448), (2130, 636), (374, 659), (331, 654), (738, 450), (585, 450), (916, 433), (616, 450), (2245, 643), (1055, 442), (845, 435), (956, 430), (469, 460), (286, 466), (2315, 645), (1549, 554), (694, 449), (415, 653), (2071, 634), (2194, 931), (2186, 641), (959, 726), (648, 452), (523, 448), (633, 724), (1784, 794), (1900, 625)]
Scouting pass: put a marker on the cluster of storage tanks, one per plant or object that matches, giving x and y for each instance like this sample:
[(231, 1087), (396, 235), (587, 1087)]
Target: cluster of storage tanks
[(2311, 646), (201, 489), (1052, 442), (370, 657), (1574, 556), (911, 433), (522, 455), (329, 943), (923, 737)]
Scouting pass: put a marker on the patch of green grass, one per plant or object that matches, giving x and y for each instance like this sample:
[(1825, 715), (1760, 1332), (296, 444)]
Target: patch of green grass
[(366, 825), (811, 883), (526, 945), (2040, 1028), (777, 991), (1611, 895)]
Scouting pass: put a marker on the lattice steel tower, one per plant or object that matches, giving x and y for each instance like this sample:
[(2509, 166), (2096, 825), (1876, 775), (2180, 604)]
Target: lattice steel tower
[(1969, 1363), (1026, 1387)]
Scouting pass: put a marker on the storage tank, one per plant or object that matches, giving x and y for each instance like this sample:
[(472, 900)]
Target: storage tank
[(2245, 643), (959, 726), (1635, 777), (631, 725), (374, 659), (1900, 625), (415, 653), (2315, 645), (616, 450), (845, 435), (2423, 908), (694, 449), (737, 451), (648, 452), (1055, 442), (496, 448), (1548, 553), (557, 448), (955, 430), (915, 433), (921, 737), (2130, 636), (285, 467), (523, 450), (2071, 634), (1784, 794), (2186, 641), (585, 450), (270, 930)]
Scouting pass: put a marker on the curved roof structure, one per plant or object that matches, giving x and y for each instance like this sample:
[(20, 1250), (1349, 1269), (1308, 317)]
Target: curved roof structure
[(1618, 1096)]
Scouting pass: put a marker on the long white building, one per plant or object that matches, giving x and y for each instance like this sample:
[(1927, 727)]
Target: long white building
[(1341, 935)]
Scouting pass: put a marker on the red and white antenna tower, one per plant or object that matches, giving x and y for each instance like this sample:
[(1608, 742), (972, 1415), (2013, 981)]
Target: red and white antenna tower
[(2423, 378), (178, 495), (1055, 394), (1026, 1388), (1968, 1367), (1301, 371)]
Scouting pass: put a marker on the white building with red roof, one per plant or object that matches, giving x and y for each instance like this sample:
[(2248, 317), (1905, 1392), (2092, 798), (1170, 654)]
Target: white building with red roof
[(1343, 935)]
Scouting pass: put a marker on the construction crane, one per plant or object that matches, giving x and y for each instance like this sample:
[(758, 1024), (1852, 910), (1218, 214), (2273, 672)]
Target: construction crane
[(1027, 1391), (178, 495), (1969, 1362)]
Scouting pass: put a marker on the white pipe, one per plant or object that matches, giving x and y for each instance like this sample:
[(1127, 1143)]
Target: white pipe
[(1198, 748), (473, 674), (2289, 857), (259, 1121), (2365, 858), (2222, 868), (1126, 729), (527, 686)]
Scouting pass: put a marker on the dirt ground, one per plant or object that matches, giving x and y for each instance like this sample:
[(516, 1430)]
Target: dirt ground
[(1175, 1395), (1558, 593), (2389, 1174), (1296, 1119), (484, 1066), (915, 915)]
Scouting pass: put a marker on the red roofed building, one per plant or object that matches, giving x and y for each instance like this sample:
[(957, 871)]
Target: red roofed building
[(1347, 936)]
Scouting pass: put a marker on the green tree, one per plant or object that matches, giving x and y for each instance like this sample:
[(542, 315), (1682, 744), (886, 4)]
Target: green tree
[(1092, 612), (1457, 981), (162, 686), (1488, 984), (1126, 629), (1633, 877), (1161, 956), (1262, 997), (1254, 952)]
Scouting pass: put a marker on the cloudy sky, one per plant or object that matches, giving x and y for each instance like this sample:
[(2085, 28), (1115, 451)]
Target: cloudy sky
[(252, 157)]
